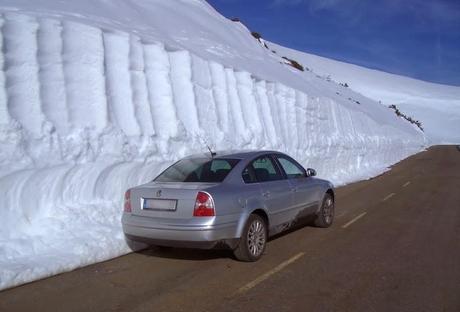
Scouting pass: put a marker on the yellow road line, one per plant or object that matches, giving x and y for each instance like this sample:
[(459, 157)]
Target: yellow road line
[(354, 220), (264, 276)]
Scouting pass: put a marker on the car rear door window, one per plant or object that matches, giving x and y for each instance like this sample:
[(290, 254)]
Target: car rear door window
[(261, 169), (291, 168), (248, 175)]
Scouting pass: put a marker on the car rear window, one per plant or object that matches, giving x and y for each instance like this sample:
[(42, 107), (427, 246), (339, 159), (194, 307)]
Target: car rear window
[(198, 170)]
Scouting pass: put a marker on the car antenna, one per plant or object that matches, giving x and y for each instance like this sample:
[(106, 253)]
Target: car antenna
[(210, 151)]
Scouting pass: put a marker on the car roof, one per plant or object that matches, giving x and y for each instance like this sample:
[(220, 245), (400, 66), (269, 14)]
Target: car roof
[(237, 154)]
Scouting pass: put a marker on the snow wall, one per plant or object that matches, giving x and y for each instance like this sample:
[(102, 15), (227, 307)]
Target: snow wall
[(86, 113)]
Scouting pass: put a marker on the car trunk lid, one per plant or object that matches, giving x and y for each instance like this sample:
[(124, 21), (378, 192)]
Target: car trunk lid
[(166, 200)]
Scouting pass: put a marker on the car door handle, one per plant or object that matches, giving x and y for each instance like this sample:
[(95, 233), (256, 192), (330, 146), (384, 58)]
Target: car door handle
[(294, 189), (266, 194)]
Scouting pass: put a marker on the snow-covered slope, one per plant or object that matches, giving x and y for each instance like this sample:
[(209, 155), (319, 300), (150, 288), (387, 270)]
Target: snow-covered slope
[(97, 96), (436, 106)]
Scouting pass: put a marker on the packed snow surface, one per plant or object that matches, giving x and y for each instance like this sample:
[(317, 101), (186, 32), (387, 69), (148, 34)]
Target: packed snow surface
[(98, 96)]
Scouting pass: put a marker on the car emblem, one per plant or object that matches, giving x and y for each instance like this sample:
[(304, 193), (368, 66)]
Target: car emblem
[(159, 193)]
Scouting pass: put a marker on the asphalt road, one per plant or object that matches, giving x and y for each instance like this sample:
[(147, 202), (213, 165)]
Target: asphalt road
[(394, 246)]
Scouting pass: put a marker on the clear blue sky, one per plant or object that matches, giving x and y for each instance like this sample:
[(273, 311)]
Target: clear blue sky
[(416, 38)]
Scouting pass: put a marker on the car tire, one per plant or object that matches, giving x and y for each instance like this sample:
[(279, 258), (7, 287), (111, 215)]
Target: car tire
[(325, 215), (253, 240)]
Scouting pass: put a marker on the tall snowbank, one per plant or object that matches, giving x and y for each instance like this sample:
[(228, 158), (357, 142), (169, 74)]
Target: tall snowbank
[(86, 112)]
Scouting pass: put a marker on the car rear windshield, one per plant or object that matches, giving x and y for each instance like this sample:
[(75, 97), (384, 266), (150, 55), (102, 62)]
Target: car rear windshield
[(198, 170)]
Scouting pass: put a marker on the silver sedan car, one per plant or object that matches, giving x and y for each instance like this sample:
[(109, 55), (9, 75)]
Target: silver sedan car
[(232, 199)]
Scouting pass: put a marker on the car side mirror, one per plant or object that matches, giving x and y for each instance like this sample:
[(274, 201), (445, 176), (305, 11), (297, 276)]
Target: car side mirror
[(310, 172)]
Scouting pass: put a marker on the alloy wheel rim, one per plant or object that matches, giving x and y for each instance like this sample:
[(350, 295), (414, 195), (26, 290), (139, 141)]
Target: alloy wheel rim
[(256, 238), (328, 210)]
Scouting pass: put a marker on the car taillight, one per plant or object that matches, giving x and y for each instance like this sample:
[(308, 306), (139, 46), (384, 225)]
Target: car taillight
[(128, 201), (204, 205)]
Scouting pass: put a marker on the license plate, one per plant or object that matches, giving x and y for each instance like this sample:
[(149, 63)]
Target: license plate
[(159, 204)]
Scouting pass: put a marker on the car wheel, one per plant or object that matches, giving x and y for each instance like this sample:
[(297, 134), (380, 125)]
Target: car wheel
[(325, 216), (253, 241)]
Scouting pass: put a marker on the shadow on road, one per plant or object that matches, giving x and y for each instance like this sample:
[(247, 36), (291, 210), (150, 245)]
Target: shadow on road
[(186, 253)]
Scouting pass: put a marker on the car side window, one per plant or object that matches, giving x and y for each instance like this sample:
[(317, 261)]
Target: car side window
[(248, 175), (292, 170), (264, 169)]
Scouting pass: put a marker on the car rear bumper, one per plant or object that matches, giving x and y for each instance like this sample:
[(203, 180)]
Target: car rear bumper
[(204, 236)]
